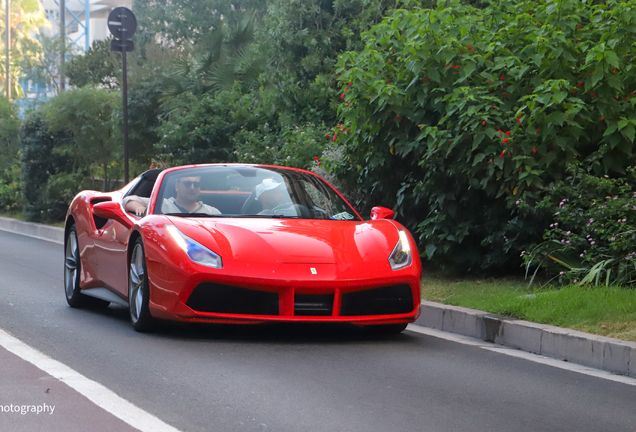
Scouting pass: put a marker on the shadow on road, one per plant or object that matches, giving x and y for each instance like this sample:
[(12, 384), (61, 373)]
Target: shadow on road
[(292, 333)]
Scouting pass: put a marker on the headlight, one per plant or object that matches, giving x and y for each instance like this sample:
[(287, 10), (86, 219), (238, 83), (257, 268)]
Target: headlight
[(401, 255), (195, 250)]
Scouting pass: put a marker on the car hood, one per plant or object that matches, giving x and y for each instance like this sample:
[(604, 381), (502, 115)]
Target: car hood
[(293, 240)]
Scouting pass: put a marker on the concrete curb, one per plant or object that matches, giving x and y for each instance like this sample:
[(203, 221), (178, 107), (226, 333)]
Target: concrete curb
[(600, 352), (39, 231), (612, 355)]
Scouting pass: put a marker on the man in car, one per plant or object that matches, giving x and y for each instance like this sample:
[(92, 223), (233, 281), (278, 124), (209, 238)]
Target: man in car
[(186, 201), (270, 194)]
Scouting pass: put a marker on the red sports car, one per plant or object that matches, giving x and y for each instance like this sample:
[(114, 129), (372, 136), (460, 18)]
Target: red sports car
[(230, 243)]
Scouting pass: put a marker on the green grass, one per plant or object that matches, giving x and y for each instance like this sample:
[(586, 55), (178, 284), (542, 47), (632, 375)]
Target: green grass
[(599, 310)]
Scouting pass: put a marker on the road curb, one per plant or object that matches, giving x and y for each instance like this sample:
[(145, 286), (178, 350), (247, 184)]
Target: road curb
[(39, 231), (600, 352)]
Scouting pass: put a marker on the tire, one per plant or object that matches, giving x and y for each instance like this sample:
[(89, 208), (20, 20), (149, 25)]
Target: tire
[(72, 270), (138, 290)]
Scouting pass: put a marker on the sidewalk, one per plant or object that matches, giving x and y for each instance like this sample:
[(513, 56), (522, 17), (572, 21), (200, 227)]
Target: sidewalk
[(612, 355)]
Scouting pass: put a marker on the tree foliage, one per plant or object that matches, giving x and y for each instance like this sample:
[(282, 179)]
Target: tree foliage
[(87, 116), (459, 115)]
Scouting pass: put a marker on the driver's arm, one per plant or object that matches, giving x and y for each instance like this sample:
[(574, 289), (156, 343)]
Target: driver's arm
[(136, 204)]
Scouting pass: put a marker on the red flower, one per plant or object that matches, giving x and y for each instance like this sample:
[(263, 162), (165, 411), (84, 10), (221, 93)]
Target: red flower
[(334, 137), (518, 121), (327, 136), (469, 48), (602, 118), (506, 94), (508, 133), (483, 123), (318, 163), (537, 131), (593, 95), (502, 76), (316, 158), (536, 22), (534, 150), (502, 154), (392, 52), (614, 70), (446, 64), (576, 40), (500, 131), (579, 25), (349, 83), (631, 93), (426, 79), (506, 140), (489, 80), (574, 91), (342, 96), (388, 80), (581, 83)]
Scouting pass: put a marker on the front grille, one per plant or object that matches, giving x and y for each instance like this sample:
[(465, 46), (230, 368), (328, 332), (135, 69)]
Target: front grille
[(397, 299), (217, 298), (313, 305)]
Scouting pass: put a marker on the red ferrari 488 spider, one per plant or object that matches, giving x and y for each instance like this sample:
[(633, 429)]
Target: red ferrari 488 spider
[(229, 243)]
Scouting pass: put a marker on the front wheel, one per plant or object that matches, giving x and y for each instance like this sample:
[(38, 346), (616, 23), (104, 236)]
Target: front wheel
[(72, 270), (138, 290)]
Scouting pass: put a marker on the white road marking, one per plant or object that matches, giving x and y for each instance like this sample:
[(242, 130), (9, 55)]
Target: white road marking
[(95, 392), (572, 367)]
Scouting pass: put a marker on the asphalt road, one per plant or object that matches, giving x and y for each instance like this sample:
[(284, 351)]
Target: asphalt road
[(295, 378)]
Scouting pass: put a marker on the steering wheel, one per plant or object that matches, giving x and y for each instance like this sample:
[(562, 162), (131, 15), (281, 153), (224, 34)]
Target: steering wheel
[(284, 206)]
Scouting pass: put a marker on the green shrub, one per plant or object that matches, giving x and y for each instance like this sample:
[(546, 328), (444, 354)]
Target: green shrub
[(457, 115), (593, 237), (44, 199)]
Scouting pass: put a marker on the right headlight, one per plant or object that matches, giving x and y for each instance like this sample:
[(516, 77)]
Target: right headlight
[(195, 250), (401, 255)]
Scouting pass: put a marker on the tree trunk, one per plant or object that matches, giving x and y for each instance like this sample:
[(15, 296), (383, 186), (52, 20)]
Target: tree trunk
[(105, 164)]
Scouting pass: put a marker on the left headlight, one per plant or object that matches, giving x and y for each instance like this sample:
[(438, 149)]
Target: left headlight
[(401, 255), (195, 250)]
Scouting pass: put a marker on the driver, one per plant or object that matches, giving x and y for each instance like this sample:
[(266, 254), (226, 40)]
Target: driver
[(270, 194), (186, 201)]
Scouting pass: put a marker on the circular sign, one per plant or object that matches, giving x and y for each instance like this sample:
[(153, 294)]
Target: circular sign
[(122, 23)]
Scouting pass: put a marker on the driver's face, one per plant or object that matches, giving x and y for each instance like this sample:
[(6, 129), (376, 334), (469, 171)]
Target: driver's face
[(188, 188), (272, 198)]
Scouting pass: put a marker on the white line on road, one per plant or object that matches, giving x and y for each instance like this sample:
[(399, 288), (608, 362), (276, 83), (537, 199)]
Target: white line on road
[(573, 367), (95, 392)]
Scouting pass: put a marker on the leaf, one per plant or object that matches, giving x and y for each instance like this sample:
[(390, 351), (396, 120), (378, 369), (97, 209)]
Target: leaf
[(558, 97), (556, 117), (430, 250), (611, 58), (610, 130), (479, 137), (629, 132), (478, 158)]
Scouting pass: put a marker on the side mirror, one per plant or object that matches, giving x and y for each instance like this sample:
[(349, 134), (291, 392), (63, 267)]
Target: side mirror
[(112, 210), (381, 213)]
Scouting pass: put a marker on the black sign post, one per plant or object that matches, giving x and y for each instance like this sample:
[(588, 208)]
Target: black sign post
[(122, 25)]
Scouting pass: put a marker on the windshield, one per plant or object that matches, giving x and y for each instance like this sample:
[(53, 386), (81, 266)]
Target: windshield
[(244, 191)]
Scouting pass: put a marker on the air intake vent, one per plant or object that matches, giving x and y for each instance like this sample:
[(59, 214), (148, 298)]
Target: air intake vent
[(397, 299), (313, 305), (211, 297)]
